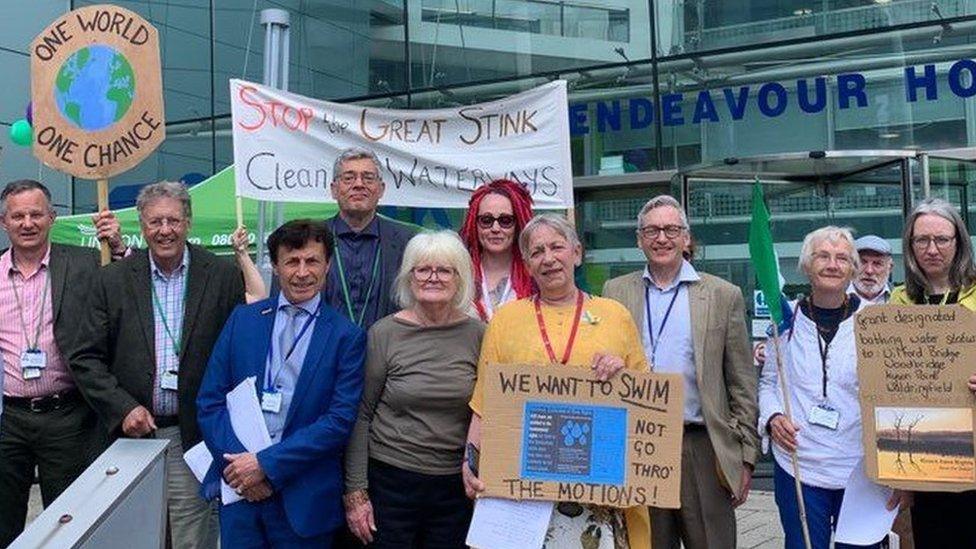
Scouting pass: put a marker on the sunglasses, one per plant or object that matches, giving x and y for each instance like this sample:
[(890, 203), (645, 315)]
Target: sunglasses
[(505, 221)]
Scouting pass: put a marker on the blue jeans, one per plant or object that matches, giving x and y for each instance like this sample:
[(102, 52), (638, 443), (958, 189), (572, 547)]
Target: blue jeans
[(822, 506)]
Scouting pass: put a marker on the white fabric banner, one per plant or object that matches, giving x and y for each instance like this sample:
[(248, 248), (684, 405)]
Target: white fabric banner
[(285, 145)]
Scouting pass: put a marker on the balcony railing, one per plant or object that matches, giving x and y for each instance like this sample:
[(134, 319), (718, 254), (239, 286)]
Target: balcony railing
[(547, 17), (831, 21)]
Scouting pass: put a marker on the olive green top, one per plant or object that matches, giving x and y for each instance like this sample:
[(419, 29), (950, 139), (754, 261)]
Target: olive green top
[(414, 412)]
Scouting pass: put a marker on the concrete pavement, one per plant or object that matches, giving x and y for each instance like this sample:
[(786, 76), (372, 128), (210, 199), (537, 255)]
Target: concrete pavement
[(757, 520)]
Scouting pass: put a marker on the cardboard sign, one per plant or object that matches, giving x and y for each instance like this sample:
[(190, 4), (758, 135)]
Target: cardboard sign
[(917, 412), (556, 433), (285, 146), (96, 90)]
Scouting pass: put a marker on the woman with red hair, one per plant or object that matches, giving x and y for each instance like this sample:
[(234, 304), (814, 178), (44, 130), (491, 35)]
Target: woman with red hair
[(497, 212)]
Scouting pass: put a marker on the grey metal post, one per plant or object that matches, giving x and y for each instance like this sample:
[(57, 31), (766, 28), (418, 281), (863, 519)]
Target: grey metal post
[(276, 23)]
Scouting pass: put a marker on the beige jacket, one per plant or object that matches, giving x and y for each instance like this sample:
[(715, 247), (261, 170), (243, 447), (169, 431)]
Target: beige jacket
[(727, 379)]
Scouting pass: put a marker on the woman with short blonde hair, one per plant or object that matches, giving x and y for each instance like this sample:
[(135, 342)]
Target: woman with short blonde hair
[(403, 463)]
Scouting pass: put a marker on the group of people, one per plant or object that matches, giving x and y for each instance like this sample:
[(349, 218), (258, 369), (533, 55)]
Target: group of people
[(820, 363), (368, 353)]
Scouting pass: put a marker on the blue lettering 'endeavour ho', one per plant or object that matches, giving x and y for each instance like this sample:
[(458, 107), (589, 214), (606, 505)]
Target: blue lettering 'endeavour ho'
[(704, 108), (819, 102), (956, 82), (769, 99), (928, 81)]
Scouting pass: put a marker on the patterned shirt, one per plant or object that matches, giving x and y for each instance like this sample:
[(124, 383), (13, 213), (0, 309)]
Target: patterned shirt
[(168, 301), (55, 377), (358, 255)]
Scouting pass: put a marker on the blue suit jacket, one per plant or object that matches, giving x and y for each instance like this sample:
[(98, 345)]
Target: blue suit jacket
[(305, 467)]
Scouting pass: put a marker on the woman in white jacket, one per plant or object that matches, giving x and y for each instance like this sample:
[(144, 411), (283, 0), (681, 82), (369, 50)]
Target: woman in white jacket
[(820, 365)]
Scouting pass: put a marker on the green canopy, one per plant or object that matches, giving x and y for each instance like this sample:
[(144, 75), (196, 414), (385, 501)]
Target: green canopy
[(214, 217)]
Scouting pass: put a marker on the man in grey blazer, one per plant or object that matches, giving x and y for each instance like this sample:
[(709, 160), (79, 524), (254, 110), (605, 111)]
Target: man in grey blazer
[(43, 287), (368, 247), (152, 322), (693, 324)]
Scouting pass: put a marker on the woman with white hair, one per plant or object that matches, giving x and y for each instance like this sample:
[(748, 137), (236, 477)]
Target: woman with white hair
[(939, 270), (820, 364), (408, 442), (563, 325)]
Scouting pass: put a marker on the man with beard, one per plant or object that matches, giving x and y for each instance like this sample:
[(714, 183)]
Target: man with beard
[(871, 281)]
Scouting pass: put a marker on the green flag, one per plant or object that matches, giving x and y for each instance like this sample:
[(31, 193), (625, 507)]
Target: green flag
[(763, 256)]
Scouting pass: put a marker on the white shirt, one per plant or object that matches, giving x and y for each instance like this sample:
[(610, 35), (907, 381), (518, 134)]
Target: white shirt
[(675, 353), (826, 456)]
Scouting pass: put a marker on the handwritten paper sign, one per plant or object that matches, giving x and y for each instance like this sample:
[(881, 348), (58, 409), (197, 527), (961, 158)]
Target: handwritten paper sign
[(285, 145), (558, 434), (917, 411)]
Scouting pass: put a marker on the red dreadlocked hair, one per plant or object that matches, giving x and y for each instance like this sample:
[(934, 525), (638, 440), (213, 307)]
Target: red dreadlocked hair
[(522, 209)]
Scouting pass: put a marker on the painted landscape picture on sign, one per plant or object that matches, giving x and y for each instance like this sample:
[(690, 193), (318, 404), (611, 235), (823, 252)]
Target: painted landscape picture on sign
[(927, 444)]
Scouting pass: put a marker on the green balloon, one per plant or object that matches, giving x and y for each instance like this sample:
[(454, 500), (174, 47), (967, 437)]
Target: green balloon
[(21, 133)]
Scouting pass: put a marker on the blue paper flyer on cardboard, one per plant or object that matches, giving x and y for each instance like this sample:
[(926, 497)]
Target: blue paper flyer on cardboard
[(558, 434), (574, 442)]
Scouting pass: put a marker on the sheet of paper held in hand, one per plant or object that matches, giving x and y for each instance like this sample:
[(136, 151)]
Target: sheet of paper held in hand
[(247, 420), (917, 411), (506, 524), (555, 433)]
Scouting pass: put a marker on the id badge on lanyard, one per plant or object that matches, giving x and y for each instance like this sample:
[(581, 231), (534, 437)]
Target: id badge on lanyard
[(32, 361), (271, 401), (824, 416), (170, 381)]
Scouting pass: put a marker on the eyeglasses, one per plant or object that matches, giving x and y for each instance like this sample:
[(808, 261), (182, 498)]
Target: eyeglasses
[(160, 222), (505, 221), (652, 231), (368, 178), (423, 274), (941, 242), (824, 257)]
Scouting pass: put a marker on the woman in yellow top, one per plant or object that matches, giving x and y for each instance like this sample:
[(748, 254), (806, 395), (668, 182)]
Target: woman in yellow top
[(561, 324), (939, 270)]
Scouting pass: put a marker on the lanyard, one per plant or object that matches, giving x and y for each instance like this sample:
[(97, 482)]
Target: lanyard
[(271, 377), (822, 344), (664, 321), (176, 342), (40, 312), (486, 297), (572, 333), (345, 287)]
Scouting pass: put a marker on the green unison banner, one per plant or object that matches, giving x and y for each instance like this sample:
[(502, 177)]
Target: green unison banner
[(213, 217)]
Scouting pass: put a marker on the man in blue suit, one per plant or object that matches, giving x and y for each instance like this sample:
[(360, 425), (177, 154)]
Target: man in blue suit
[(308, 361)]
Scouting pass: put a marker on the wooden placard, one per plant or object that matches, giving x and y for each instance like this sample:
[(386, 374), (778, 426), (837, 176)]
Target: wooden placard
[(96, 90), (917, 412), (556, 433)]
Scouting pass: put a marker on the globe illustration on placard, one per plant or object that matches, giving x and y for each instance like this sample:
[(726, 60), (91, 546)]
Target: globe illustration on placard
[(95, 87)]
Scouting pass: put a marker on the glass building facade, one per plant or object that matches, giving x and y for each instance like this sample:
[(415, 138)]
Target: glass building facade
[(654, 87)]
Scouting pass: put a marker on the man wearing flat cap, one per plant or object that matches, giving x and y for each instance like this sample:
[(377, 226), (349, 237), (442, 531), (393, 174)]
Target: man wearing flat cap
[(871, 281)]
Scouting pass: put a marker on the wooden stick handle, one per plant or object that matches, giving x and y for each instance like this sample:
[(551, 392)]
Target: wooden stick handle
[(240, 211), (102, 186), (788, 412)]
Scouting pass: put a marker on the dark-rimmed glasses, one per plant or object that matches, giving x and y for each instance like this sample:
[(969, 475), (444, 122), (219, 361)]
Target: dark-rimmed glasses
[(941, 241), (425, 273), (652, 231), (505, 221)]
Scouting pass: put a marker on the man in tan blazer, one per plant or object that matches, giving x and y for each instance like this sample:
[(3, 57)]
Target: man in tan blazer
[(693, 324)]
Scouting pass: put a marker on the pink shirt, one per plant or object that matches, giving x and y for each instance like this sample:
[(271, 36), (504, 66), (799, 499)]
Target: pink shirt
[(55, 377)]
